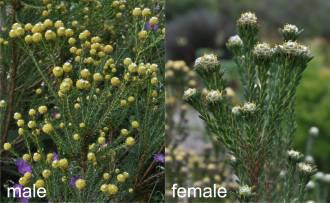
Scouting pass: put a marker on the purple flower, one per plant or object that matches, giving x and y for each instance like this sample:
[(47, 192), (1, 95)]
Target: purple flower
[(55, 157), (23, 166), (19, 193), (151, 27), (73, 180), (159, 158)]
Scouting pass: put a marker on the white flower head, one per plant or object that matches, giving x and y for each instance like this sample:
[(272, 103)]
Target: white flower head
[(235, 41), (310, 185), (294, 49), (295, 155), (207, 62), (263, 50), (236, 110), (245, 190), (3, 104), (319, 175), (314, 131), (247, 18), (305, 168), (326, 178), (309, 159), (249, 107), (189, 93), (232, 158), (289, 28), (213, 96)]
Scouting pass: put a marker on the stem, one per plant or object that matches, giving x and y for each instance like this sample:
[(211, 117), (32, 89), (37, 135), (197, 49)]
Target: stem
[(14, 57)]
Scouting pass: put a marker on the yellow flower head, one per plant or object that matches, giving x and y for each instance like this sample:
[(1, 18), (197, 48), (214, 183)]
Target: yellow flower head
[(47, 128), (112, 189), (130, 141), (36, 157), (80, 184), (7, 146), (40, 183), (46, 173), (63, 163), (58, 71), (42, 109)]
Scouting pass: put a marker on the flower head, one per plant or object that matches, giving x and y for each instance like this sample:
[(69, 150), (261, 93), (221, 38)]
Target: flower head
[(245, 191), (234, 43), (189, 93), (206, 61), (55, 156), (294, 50), (148, 26), (3, 104), (262, 51), (294, 155), (236, 110), (247, 27), (249, 107), (23, 166), (319, 175), (305, 168), (290, 32), (326, 178), (18, 188), (247, 19), (213, 96), (288, 28), (80, 184), (159, 158), (310, 185), (314, 131), (72, 182)]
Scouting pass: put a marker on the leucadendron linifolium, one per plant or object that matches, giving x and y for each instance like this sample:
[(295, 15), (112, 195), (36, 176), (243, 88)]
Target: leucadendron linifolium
[(258, 131), (96, 130)]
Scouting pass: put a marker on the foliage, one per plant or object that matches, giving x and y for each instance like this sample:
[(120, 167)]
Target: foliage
[(96, 118), (258, 132)]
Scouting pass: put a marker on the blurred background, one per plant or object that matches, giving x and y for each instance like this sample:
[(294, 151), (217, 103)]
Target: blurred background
[(195, 27)]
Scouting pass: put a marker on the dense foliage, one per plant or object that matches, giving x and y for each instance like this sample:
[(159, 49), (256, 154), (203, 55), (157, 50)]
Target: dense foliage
[(258, 132), (85, 89)]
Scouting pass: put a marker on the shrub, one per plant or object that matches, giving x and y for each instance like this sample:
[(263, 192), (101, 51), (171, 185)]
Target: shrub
[(91, 131), (259, 131)]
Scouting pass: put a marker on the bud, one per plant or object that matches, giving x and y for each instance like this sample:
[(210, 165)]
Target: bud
[(235, 44), (3, 104), (314, 131)]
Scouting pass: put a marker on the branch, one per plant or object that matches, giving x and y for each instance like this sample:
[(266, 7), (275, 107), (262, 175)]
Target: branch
[(14, 56)]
